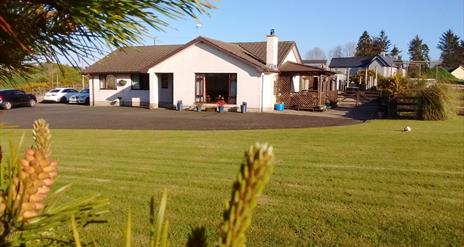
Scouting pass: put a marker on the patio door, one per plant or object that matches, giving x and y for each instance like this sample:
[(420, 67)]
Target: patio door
[(200, 87)]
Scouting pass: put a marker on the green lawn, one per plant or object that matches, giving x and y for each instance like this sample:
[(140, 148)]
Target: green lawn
[(363, 185)]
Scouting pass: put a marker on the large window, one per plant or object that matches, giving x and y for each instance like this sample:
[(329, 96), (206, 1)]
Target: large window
[(211, 87), (140, 82), (107, 82)]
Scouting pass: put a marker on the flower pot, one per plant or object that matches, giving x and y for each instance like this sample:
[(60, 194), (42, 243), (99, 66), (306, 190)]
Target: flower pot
[(279, 107), (180, 106), (243, 108)]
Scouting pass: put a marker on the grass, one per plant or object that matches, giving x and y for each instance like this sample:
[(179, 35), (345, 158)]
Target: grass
[(360, 185)]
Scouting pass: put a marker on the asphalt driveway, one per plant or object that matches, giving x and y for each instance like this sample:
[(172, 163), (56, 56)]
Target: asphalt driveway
[(61, 116)]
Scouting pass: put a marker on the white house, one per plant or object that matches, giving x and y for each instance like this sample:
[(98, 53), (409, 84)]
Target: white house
[(378, 65), (199, 71), (458, 72)]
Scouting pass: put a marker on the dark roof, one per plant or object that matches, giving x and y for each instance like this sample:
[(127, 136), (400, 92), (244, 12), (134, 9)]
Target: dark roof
[(454, 68), (296, 67), (315, 61), (139, 59), (131, 59), (360, 62), (258, 49)]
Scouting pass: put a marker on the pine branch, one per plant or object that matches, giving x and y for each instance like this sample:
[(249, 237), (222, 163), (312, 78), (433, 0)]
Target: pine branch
[(253, 176)]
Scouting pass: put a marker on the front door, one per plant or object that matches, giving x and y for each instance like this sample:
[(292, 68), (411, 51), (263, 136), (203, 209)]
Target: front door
[(165, 89)]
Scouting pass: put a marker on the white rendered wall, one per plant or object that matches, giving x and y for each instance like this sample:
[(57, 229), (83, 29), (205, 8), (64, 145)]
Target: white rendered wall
[(122, 95), (202, 58), (458, 73), (269, 98)]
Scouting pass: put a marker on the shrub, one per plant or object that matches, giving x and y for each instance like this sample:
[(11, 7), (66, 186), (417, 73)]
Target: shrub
[(432, 103)]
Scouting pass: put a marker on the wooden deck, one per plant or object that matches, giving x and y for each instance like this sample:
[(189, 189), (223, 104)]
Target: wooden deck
[(305, 99)]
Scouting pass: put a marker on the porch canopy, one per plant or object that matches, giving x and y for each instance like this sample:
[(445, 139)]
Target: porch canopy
[(296, 68), (311, 89)]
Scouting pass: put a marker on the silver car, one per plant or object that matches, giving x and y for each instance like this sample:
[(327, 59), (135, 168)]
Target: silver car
[(80, 98)]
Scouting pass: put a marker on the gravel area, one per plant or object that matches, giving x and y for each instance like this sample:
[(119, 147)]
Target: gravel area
[(62, 116)]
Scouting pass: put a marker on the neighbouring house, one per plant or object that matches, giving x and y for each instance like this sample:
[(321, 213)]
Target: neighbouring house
[(458, 72), (321, 63), (367, 68), (204, 70)]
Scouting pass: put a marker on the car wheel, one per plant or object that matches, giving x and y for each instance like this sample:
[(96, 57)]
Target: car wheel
[(63, 100), (32, 102), (87, 101), (7, 105)]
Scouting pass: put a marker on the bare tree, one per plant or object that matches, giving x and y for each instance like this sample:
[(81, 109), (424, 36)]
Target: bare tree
[(349, 49), (337, 51), (315, 53)]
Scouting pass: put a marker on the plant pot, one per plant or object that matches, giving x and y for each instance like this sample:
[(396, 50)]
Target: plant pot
[(243, 108), (279, 107), (180, 106)]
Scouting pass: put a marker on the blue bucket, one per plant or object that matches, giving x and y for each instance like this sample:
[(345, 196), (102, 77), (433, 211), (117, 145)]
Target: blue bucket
[(279, 107)]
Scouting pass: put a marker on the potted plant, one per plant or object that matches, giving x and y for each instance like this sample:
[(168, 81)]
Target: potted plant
[(220, 104)]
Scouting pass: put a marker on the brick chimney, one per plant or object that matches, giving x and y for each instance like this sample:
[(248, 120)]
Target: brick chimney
[(272, 49)]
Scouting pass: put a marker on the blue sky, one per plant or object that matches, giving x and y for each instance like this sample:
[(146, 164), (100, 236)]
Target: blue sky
[(323, 24)]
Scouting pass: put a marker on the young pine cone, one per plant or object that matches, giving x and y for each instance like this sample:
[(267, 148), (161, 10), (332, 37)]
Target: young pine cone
[(35, 180)]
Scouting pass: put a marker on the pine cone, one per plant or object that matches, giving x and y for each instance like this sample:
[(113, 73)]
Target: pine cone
[(37, 175)]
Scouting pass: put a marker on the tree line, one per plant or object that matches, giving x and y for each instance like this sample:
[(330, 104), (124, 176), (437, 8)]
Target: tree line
[(450, 44)]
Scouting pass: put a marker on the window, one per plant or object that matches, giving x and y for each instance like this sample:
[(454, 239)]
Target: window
[(304, 83), (140, 81), (107, 82), (19, 92), (164, 81), (199, 87), (315, 82)]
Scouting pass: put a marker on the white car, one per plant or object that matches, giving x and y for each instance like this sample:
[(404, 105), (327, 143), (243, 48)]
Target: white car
[(80, 98), (60, 94)]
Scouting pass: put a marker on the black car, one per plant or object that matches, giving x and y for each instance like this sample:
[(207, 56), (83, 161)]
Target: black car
[(11, 98)]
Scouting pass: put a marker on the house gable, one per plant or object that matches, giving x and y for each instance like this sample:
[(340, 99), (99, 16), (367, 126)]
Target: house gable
[(293, 55), (204, 58)]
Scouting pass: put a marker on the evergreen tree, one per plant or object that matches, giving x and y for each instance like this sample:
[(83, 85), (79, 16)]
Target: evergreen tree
[(381, 43), (36, 31), (461, 50), (365, 45), (450, 47), (419, 52), (395, 51)]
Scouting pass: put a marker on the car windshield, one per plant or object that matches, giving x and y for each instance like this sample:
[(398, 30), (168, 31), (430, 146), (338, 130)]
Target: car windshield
[(84, 91), (54, 91)]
